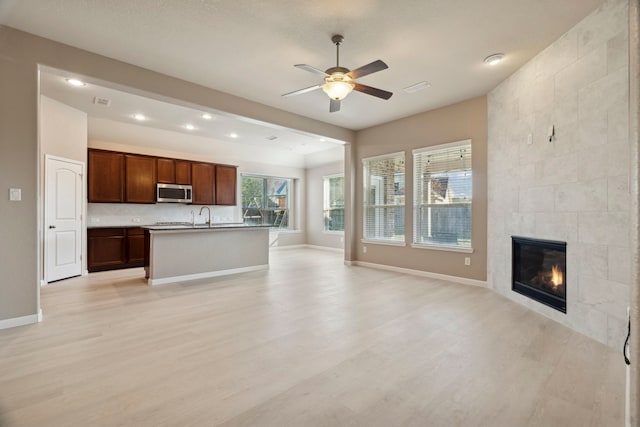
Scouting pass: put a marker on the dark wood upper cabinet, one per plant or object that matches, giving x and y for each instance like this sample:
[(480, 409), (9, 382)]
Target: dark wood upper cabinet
[(226, 185), (183, 172), (166, 171), (140, 179), (106, 177), (203, 181)]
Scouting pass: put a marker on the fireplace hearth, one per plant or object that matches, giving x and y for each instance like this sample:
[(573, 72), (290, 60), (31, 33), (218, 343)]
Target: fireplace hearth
[(539, 270)]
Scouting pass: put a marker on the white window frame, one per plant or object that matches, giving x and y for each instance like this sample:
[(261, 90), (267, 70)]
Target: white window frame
[(417, 186), (326, 198), (366, 205), (289, 208)]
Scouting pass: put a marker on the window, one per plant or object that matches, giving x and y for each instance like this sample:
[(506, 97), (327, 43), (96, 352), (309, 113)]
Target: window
[(333, 203), (384, 198), (266, 200), (442, 195)]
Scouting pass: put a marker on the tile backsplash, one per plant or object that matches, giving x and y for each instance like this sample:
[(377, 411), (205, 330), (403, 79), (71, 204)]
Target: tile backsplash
[(127, 214)]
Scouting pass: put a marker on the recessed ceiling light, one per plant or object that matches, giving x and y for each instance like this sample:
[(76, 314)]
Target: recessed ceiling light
[(416, 87), (322, 140), (494, 59), (207, 116), (76, 82), (140, 117), (189, 126), (233, 135)]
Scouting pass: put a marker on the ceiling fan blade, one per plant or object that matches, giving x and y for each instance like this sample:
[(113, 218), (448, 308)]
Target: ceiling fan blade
[(334, 106), (372, 91), (365, 70), (311, 69), (301, 91)]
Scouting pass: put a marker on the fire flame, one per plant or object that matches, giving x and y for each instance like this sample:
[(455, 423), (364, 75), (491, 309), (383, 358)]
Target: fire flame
[(556, 275)]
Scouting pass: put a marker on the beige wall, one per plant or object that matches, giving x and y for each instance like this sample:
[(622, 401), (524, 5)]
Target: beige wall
[(63, 133), (63, 130), (465, 120), (20, 54)]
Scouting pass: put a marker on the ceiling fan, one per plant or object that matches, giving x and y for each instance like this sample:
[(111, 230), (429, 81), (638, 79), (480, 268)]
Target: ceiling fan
[(340, 81)]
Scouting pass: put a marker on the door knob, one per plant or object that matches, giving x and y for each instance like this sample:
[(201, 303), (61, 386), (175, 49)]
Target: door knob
[(52, 226)]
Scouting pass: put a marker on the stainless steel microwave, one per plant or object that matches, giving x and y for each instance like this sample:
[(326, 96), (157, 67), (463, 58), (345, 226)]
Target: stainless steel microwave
[(174, 193)]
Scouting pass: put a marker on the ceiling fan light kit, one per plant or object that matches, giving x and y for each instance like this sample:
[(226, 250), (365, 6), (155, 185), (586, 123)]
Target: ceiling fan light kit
[(338, 86), (340, 82)]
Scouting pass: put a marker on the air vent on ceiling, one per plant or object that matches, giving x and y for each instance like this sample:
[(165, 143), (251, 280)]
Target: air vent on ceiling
[(272, 138), (416, 87), (105, 102)]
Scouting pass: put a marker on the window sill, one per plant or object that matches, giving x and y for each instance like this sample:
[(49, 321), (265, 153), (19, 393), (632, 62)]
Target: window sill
[(442, 248), (338, 233), (384, 242)]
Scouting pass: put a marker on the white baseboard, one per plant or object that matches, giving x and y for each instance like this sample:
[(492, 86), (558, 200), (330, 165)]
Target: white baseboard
[(20, 321), (40, 316), (286, 247), (325, 248), (206, 275), (462, 280), (43, 283)]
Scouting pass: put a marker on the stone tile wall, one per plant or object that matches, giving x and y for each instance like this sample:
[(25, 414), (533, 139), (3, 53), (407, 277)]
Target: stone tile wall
[(575, 188)]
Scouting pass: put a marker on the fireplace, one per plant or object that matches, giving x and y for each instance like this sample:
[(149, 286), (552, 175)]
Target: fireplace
[(539, 270)]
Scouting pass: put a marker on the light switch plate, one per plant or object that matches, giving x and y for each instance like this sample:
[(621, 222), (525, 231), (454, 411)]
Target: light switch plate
[(15, 194)]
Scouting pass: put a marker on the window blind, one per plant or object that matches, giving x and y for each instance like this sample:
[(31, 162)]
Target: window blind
[(442, 195), (384, 198)]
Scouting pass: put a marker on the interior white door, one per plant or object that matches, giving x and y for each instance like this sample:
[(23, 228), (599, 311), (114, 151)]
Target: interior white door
[(63, 219)]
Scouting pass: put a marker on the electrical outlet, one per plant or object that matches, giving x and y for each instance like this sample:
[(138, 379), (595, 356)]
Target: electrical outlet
[(364, 249), (467, 261), (136, 219)]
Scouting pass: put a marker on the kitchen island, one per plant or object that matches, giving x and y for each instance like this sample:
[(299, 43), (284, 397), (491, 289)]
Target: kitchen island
[(177, 253)]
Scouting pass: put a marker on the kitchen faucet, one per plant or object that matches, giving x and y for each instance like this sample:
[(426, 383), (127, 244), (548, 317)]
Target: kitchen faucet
[(208, 210)]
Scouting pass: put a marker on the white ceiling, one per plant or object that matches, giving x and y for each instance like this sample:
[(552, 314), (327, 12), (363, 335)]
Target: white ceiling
[(248, 48), (167, 116)]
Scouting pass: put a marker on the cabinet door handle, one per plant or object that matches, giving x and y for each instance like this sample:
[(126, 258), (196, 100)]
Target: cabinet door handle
[(52, 226)]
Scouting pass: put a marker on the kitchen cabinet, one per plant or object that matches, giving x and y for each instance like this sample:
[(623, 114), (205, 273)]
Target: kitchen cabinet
[(203, 182), (106, 248), (106, 177), (183, 172), (174, 171), (135, 247), (226, 185), (166, 169), (115, 248), (132, 178), (140, 179)]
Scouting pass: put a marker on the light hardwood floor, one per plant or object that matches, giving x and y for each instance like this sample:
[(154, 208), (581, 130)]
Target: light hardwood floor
[(310, 342)]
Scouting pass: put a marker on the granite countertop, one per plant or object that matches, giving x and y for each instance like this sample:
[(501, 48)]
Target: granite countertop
[(179, 226), (204, 227), (94, 225)]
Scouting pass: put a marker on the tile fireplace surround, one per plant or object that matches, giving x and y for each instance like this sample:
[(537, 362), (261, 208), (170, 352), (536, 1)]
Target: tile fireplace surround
[(575, 188)]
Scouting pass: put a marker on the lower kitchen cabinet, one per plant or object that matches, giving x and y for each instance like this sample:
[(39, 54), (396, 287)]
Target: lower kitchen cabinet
[(115, 248)]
